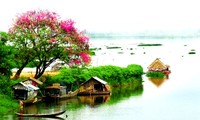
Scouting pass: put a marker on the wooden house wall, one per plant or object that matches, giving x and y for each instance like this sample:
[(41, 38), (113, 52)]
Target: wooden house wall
[(89, 85), (32, 95), (63, 91)]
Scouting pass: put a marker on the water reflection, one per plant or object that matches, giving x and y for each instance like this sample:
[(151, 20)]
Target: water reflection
[(79, 104), (94, 99), (158, 81)]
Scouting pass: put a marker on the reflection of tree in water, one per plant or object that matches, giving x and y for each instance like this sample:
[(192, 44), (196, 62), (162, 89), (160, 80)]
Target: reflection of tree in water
[(158, 81), (134, 88)]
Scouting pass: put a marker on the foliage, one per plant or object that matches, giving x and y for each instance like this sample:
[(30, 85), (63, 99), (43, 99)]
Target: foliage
[(6, 64), (6, 104), (6, 56), (70, 77), (155, 74), (114, 75), (41, 37), (5, 85)]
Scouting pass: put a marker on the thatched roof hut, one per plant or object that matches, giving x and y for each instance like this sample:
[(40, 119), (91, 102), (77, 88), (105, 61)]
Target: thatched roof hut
[(157, 65), (94, 86)]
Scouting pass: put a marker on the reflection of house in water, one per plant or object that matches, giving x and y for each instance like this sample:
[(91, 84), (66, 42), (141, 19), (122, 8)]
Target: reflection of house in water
[(94, 86), (94, 99), (158, 81)]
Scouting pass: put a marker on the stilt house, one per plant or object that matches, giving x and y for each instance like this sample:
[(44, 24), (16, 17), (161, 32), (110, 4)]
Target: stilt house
[(27, 89), (94, 86), (158, 66)]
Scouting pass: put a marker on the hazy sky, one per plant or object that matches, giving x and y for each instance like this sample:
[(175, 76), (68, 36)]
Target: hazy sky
[(112, 15)]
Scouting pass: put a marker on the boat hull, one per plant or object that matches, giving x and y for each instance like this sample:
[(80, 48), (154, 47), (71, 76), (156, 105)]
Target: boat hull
[(40, 115)]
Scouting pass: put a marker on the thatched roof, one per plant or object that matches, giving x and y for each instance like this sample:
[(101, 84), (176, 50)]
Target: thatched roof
[(157, 64)]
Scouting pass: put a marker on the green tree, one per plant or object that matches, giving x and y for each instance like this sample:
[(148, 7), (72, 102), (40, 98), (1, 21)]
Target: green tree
[(6, 56), (41, 38), (6, 64)]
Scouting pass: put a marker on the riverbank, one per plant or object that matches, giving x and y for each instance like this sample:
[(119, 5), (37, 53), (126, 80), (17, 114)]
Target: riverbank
[(7, 104)]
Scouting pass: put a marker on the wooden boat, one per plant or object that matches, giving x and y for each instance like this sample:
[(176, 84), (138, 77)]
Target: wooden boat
[(41, 115)]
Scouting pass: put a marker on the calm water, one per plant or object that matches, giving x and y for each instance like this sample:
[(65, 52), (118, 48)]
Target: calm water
[(175, 98)]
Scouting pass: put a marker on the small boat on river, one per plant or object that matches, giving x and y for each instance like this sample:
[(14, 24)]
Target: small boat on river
[(41, 115)]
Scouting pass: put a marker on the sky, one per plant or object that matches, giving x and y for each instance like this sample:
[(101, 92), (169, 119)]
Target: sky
[(112, 15)]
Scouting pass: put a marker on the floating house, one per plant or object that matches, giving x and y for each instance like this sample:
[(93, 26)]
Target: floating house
[(158, 66), (26, 90), (94, 86), (56, 91), (23, 91)]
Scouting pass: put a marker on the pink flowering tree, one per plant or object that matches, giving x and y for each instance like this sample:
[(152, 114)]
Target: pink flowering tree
[(40, 37)]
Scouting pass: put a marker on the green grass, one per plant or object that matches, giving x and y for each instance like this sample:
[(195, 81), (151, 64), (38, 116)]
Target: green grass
[(7, 104), (155, 74)]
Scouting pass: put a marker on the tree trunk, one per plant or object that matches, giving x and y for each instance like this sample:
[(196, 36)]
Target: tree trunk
[(17, 74), (38, 75), (39, 72)]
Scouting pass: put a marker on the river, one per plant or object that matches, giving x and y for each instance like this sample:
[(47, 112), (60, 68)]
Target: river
[(175, 98)]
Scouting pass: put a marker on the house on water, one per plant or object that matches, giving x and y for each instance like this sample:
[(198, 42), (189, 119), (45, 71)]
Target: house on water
[(158, 66), (94, 86), (56, 92), (26, 90)]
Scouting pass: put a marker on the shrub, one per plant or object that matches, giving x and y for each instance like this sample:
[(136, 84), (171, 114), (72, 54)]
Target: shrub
[(155, 74)]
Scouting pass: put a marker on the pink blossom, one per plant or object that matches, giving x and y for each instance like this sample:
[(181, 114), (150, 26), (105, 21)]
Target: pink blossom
[(83, 39), (85, 57), (53, 40), (67, 25), (36, 17), (77, 61)]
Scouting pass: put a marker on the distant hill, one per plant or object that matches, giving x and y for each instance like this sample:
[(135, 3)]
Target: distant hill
[(148, 34)]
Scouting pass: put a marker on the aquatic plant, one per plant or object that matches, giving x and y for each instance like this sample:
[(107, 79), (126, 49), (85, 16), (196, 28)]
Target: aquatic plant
[(192, 52), (155, 74), (142, 44)]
